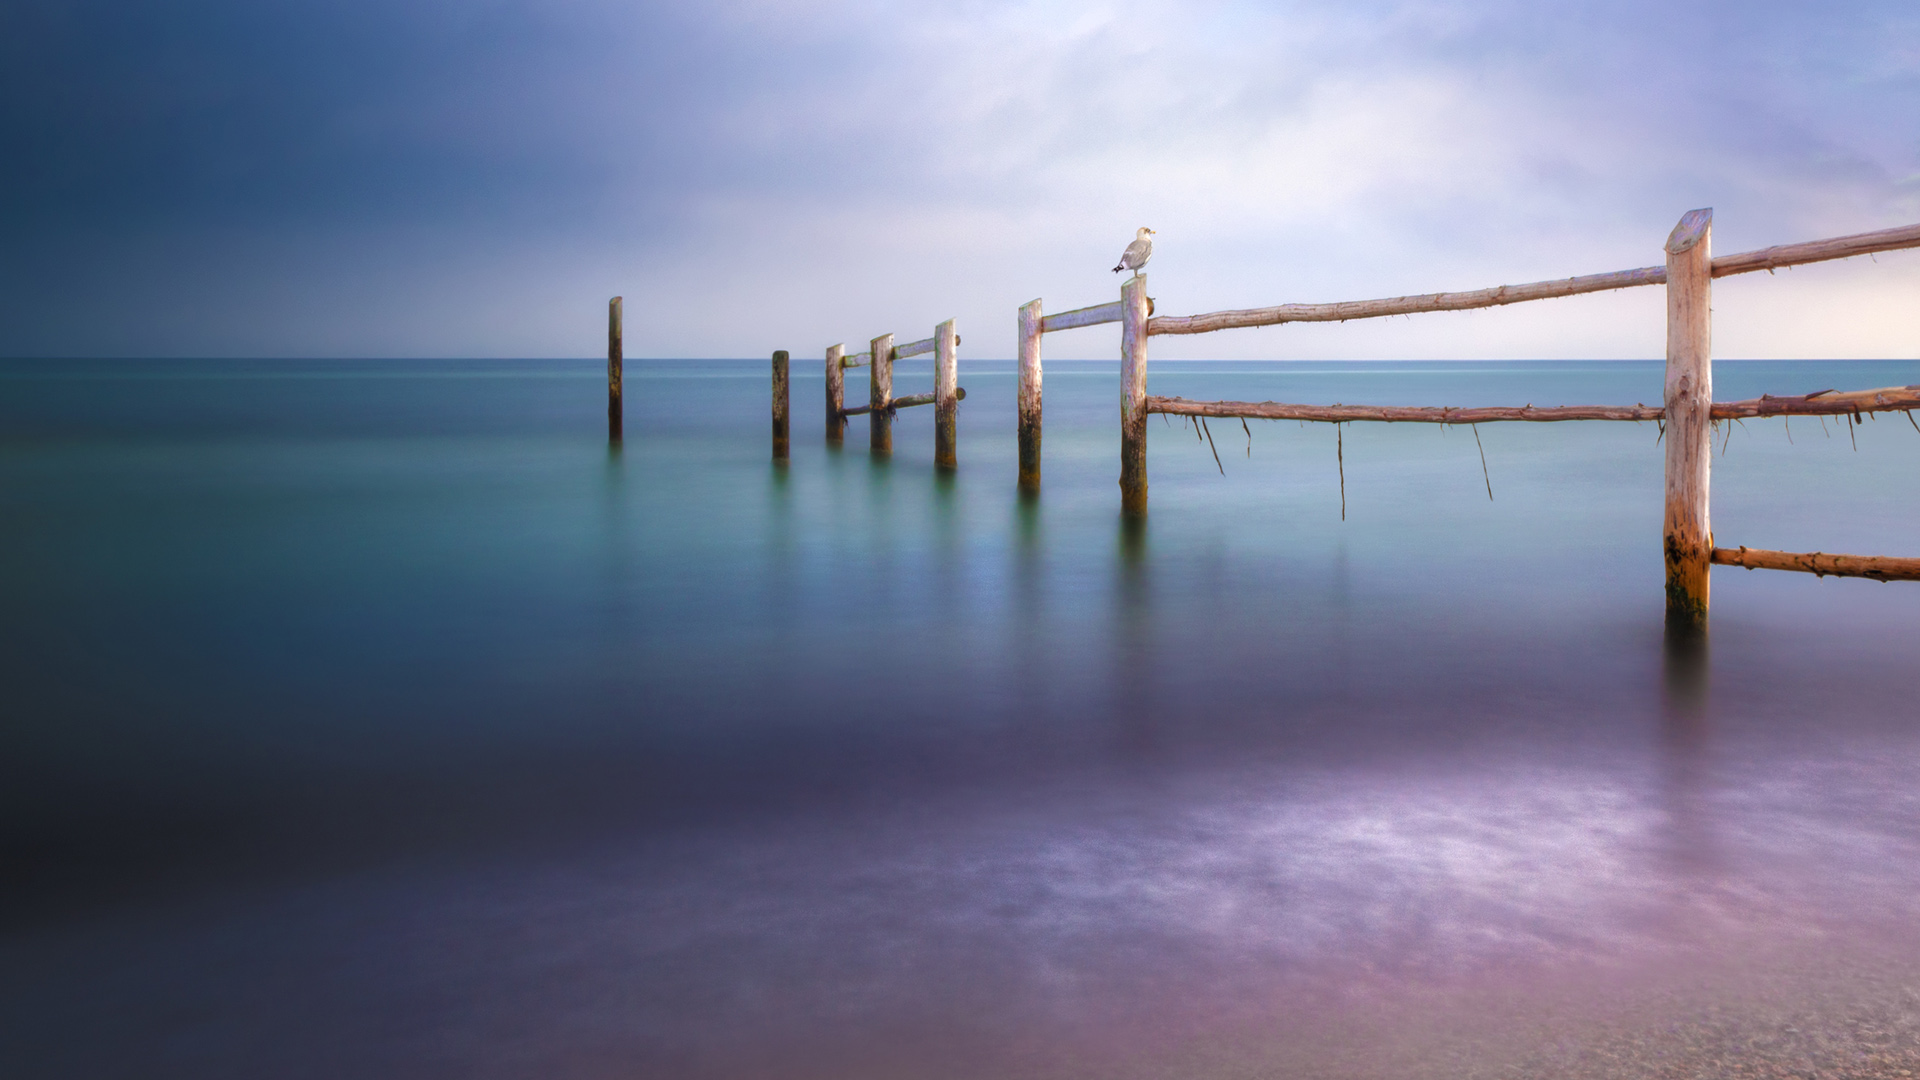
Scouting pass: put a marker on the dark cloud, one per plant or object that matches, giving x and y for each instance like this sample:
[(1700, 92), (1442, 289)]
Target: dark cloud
[(356, 176)]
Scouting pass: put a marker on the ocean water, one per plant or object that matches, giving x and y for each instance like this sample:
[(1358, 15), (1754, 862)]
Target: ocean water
[(377, 719)]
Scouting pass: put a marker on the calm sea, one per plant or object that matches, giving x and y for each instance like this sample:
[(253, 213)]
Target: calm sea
[(374, 719)]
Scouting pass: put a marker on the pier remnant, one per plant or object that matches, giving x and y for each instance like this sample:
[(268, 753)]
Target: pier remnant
[(946, 404), (780, 403), (615, 361), (1133, 397), (1029, 401), (879, 393), (1687, 535), (836, 395)]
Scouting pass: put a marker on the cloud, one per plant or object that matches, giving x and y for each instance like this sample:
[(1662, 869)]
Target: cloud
[(443, 178)]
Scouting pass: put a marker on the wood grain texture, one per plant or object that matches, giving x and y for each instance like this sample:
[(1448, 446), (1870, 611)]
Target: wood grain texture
[(1812, 251), (1687, 538), (1822, 403), (1398, 414), (1842, 247), (780, 403), (836, 395), (1133, 397), (1028, 337), (1404, 305), (879, 392), (946, 403), (616, 374), (856, 360), (1877, 567), (1086, 316), (916, 348)]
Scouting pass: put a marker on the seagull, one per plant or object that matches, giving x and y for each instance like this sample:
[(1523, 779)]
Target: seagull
[(1137, 253)]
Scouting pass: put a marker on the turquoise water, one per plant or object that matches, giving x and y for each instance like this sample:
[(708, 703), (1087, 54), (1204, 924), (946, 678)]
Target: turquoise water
[(376, 718)]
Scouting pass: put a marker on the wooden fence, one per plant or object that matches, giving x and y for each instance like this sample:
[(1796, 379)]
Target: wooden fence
[(1687, 411), (881, 404)]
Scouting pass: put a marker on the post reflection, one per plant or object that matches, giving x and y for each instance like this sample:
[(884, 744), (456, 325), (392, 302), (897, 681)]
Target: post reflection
[(1684, 733), (1132, 642)]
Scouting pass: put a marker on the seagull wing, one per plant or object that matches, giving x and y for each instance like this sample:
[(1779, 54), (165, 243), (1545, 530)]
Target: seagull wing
[(1137, 254)]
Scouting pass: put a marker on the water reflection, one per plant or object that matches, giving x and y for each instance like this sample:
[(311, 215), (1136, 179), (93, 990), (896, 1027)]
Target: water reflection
[(1135, 710), (1685, 775)]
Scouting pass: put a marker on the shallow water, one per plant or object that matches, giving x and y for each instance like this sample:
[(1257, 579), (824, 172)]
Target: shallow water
[(375, 719)]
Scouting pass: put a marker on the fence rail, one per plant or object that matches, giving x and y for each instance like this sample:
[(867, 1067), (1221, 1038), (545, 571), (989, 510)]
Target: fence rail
[(1821, 403), (1842, 247)]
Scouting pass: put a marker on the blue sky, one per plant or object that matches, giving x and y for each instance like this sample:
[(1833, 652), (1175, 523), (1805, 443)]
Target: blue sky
[(431, 178)]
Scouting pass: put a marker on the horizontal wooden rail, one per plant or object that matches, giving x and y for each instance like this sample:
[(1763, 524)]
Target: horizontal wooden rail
[(1823, 403), (1086, 316), (914, 348), (856, 360), (1907, 236), (1392, 414), (1813, 251), (1877, 567), (908, 402)]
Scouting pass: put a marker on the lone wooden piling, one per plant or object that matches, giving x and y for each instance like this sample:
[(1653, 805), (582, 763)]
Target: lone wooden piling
[(946, 405), (1688, 532), (1029, 405), (1133, 397), (616, 410), (780, 403), (836, 395), (879, 393)]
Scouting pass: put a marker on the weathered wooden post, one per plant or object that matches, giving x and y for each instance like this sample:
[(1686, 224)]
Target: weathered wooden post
[(1133, 396), (1689, 401), (946, 406), (879, 393), (615, 362), (836, 395), (1030, 396), (780, 403)]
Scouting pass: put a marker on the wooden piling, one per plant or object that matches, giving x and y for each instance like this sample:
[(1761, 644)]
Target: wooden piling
[(1688, 539), (1133, 397), (1030, 320), (780, 403), (946, 406), (879, 393), (836, 395), (616, 361)]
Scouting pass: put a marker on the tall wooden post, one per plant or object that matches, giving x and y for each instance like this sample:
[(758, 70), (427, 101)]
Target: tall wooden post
[(836, 395), (1030, 396), (879, 393), (616, 360), (946, 406), (1133, 396), (1689, 401), (780, 403)]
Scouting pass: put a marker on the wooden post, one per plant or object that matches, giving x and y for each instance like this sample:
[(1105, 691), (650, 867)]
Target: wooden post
[(615, 362), (780, 405), (946, 406), (1133, 397), (879, 393), (836, 395), (1689, 438), (1030, 397)]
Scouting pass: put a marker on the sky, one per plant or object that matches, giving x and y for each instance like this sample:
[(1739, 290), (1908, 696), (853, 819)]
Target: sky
[(393, 178)]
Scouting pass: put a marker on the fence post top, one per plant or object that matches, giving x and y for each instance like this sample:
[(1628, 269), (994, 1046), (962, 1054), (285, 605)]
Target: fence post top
[(1693, 225)]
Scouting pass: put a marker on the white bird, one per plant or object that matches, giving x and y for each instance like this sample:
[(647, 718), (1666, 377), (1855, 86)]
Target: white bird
[(1138, 252)]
